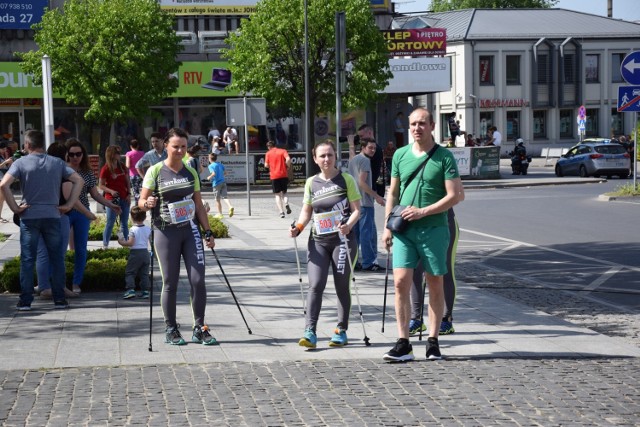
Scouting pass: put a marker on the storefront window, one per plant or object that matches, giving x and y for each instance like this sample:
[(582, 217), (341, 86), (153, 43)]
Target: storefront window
[(566, 123), (591, 69), (486, 70), (513, 69), (591, 125), (486, 121), (617, 122), (539, 124), (513, 125)]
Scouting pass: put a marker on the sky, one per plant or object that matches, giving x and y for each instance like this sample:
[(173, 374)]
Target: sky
[(622, 9)]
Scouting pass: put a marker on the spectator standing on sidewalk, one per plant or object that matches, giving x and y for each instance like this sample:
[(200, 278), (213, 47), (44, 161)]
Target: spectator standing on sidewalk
[(153, 156), (436, 189), (360, 170), (131, 158), (139, 258), (278, 162), (114, 181), (41, 179)]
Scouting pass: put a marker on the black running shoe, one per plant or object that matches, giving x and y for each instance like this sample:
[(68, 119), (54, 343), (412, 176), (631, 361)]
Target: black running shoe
[(288, 210), (401, 352), (61, 305), (433, 349), (202, 336), (23, 306), (173, 337)]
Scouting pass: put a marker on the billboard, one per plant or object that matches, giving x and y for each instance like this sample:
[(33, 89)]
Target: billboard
[(21, 14), (422, 42), (208, 7), (419, 75)]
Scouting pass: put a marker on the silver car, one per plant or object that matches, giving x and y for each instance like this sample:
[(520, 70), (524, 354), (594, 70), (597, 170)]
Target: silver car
[(595, 159)]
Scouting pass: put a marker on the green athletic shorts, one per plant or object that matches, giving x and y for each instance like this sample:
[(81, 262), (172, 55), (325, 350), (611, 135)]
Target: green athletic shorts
[(427, 243)]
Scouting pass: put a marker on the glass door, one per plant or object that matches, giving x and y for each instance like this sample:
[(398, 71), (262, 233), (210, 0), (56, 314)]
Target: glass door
[(10, 125)]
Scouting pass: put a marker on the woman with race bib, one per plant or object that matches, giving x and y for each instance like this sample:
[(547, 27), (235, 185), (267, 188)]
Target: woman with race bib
[(332, 200), (171, 191)]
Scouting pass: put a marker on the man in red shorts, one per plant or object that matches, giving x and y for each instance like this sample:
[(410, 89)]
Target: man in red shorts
[(278, 162)]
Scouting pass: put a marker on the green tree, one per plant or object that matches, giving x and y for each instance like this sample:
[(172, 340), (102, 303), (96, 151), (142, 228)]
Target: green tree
[(113, 56), (446, 5), (267, 56)]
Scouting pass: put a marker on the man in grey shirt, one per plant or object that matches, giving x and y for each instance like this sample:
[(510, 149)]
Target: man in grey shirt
[(153, 156), (41, 179), (360, 169)]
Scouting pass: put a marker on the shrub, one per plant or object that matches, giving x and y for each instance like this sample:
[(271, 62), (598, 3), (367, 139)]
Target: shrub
[(96, 228), (104, 271), (220, 229)]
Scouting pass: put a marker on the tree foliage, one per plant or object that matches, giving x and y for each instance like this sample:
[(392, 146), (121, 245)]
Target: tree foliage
[(114, 56), (267, 56), (446, 5)]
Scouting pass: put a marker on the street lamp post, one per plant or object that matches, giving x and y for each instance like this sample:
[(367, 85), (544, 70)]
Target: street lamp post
[(307, 108)]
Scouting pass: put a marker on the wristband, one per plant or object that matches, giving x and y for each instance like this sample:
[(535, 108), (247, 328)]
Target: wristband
[(300, 227), (208, 234)]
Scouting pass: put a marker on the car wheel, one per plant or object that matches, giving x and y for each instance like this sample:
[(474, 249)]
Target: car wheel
[(608, 176), (558, 170), (583, 171), (624, 175)]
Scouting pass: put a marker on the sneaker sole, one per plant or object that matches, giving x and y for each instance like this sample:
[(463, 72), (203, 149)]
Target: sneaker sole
[(306, 343), (447, 332), (417, 331), (406, 358), (183, 342), (128, 297), (61, 307), (24, 308), (337, 344), (197, 341), (434, 357)]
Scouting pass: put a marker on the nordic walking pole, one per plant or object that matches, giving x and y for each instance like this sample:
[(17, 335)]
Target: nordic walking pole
[(151, 286), (355, 285), (386, 283), (424, 291), (295, 246), (231, 290)]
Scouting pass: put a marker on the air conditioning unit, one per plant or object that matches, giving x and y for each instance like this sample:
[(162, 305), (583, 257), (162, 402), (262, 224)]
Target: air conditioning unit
[(212, 41), (187, 38)]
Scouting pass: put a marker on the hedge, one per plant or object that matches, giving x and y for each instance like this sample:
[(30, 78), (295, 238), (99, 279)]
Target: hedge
[(105, 267)]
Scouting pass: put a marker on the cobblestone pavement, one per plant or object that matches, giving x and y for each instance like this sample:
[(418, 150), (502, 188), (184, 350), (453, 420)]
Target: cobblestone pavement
[(489, 392), (458, 391)]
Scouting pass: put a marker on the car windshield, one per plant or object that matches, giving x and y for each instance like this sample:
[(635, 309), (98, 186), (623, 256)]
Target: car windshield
[(610, 149)]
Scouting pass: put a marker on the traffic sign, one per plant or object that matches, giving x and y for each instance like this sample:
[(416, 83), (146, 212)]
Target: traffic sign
[(581, 126), (628, 98), (630, 68), (582, 113)]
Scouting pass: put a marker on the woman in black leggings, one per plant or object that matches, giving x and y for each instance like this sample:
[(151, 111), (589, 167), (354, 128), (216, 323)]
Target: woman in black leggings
[(330, 196), (172, 191)]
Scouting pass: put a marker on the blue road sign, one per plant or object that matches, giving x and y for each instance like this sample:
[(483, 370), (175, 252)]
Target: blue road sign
[(628, 98), (21, 14), (630, 68)]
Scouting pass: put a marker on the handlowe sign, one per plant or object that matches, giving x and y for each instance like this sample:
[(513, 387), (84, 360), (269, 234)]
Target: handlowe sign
[(208, 7), (423, 42), (196, 79), (419, 75)]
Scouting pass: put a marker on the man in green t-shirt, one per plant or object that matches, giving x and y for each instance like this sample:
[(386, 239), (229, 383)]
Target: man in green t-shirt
[(435, 189)]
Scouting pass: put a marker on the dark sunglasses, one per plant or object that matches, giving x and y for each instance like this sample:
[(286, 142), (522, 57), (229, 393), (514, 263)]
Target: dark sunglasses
[(77, 154)]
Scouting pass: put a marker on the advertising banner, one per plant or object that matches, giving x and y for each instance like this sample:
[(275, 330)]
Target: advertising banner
[(298, 174), (463, 159), (196, 79), (235, 169), (419, 75), (485, 163), (423, 42), (204, 79), (21, 14), (208, 7)]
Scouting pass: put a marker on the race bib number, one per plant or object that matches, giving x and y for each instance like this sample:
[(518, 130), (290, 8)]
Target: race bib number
[(326, 222), (182, 211)]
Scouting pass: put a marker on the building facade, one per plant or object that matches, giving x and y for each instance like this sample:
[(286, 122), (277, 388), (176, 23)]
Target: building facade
[(528, 72)]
